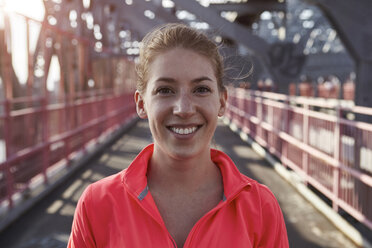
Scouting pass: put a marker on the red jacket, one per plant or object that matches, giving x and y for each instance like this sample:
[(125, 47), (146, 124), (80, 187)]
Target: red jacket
[(119, 211)]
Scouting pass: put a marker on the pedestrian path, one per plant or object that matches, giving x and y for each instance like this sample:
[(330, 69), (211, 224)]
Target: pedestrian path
[(48, 223)]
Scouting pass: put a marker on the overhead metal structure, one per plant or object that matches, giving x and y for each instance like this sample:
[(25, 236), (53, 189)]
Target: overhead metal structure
[(282, 61), (115, 27), (353, 23)]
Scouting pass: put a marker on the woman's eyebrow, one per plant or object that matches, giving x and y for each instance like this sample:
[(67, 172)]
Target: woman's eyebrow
[(200, 79), (166, 79), (172, 80)]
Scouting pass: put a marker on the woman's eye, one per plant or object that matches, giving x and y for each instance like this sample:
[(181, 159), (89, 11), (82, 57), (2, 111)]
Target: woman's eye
[(203, 90), (164, 91)]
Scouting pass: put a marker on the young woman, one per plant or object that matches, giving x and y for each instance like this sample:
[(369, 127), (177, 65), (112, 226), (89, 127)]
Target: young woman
[(178, 192)]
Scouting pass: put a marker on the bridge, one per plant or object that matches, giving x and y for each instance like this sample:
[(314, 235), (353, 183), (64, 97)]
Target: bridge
[(299, 123)]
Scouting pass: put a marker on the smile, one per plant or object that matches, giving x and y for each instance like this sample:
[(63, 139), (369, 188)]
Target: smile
[(183, 131)]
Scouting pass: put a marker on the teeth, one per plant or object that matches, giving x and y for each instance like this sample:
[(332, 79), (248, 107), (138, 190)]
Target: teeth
[(184, 130)]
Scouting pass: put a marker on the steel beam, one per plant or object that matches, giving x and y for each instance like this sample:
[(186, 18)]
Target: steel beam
[(282, 73), (324, 64), (240, 34), (132, 16), (250, 8), (329, 59), (353, 24)]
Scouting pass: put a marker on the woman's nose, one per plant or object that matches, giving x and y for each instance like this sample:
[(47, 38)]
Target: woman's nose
[(184, 106)]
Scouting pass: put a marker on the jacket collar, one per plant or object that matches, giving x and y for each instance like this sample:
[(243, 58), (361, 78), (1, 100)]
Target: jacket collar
[(233, 180), (135, 179)]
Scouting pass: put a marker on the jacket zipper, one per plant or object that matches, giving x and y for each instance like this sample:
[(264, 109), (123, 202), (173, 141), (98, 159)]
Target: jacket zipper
[(174, 243)]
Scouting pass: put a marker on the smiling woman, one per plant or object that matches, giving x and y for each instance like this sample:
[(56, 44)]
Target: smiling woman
[(179, 192)]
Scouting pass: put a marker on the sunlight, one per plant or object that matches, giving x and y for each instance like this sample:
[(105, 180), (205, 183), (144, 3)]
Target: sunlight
[(54, 74), (2, 151), (14, 9), (19, 47), (30, 8)]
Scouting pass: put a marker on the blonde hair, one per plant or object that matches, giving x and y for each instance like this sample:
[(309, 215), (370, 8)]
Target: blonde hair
[(174, 35)]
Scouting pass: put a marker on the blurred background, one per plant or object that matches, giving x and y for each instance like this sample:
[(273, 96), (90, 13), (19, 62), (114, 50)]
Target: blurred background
[(299, 77)]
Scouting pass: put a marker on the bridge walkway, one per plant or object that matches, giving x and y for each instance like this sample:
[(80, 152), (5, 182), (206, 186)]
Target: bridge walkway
[(48, 223)]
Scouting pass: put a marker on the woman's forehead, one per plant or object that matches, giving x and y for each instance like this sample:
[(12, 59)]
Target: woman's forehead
[(181, 62)]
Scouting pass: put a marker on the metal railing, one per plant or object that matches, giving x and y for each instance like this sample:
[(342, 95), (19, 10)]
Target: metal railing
[(38, 138), (316, 139)]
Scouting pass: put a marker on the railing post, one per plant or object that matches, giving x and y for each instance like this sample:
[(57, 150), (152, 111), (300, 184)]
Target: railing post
[(68, 123), (46, 150), (286, 130), (240, 95), (252, 112), (246, 111), (270, 139), (336, 155), (305, 139), (259, 116), (8, 151), (236, 100), (84, 114)]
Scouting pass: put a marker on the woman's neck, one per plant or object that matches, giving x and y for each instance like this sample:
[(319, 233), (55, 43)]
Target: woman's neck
[(188, 175)]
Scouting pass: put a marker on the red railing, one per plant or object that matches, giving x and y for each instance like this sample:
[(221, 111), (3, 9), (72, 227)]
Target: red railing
[(317, 139), (38, 138)]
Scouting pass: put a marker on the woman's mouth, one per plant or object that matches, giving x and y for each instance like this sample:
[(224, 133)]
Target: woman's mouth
[(184, 130)]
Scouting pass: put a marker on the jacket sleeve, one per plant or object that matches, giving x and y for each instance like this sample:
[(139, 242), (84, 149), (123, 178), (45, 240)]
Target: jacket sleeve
[(81, 232), (274, 232)]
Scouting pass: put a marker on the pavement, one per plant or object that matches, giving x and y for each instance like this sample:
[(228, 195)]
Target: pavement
[(48, 223)]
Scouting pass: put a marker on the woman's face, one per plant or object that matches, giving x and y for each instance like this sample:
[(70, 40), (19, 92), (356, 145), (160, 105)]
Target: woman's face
[(182, 103)]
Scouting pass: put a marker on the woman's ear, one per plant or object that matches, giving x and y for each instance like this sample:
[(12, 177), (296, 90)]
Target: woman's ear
[(140, 105), (223, 100)]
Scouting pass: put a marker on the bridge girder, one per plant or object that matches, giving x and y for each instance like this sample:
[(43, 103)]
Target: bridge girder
[(283, 72), (250, 8), (345, 18), (282, 60), (132, 16)]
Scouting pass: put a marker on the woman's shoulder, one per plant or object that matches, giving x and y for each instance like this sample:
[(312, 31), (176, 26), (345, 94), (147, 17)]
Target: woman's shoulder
[(110, 181), (263, 215), (104, 187), (259, 191)]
